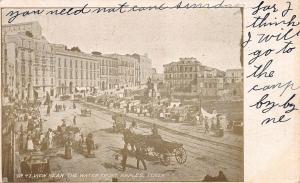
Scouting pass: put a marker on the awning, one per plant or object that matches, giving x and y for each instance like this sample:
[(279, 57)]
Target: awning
[(80, 88), (208, 115)]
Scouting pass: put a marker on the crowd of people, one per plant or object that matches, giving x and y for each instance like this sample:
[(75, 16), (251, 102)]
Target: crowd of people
[(31, 135), (164, 110), (154, 108)]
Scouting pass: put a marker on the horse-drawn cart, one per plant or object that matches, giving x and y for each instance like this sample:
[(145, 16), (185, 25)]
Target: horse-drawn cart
[(155, 145)]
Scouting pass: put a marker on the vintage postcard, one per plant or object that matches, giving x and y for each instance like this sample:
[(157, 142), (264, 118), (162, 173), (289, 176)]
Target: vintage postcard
[(150, 91)]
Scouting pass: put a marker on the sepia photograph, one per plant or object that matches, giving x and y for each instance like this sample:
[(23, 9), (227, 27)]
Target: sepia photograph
[(123, 97)]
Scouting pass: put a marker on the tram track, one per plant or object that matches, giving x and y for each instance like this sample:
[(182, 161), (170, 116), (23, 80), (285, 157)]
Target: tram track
[(218, 144), (227, 154)]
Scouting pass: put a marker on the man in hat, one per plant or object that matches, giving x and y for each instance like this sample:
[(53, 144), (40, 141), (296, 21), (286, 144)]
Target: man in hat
[(90, 143), (140, 156), (74, 120)]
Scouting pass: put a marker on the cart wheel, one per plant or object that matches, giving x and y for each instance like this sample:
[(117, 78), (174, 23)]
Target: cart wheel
[(180, 155), (165, 158)]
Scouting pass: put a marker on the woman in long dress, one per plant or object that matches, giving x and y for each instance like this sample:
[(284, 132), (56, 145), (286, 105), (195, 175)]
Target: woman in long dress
[(29, 143)]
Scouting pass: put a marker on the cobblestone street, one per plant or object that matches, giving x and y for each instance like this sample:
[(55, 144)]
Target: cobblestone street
[(203, 157)]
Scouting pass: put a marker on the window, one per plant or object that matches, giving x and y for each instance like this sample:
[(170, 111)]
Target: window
[(43, 69), (36, 81), (51, 61), (23, 81), (71, 74), (59, 73), (65, 64), (65, 74), (81, 63), (36, 71), (51, 81), (76, 75), (59, 62), (23, 68), (43, 81), (44, 60), (71, 63), (81, 74), (22, 55), (76, 63)]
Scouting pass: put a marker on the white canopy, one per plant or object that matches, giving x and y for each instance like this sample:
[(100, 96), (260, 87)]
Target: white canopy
[(208, 115)]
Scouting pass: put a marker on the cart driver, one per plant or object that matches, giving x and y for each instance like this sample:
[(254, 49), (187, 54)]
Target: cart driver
[(133, 127), (155, 134)]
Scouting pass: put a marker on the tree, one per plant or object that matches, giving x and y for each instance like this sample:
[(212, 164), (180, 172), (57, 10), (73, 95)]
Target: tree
[(28, 33), (97, 53), (75, 48)]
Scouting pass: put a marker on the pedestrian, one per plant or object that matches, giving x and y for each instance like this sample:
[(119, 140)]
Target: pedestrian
[(206, 126), (124, 153), (89, 144), (50, 137), (197, 118), (218, 125), (29, 143), (74, 121), (140, 156), (68, 149), (48, 110)]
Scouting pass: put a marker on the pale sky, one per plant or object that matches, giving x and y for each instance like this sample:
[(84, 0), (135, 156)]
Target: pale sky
[(211, 35)]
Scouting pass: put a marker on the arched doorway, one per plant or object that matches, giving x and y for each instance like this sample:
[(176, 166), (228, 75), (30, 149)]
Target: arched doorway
[(71, 87)]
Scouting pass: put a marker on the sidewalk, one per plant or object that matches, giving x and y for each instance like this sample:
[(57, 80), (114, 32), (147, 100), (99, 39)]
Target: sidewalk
[(195, 131)]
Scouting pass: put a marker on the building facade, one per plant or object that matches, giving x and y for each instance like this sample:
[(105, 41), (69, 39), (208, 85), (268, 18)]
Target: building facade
[(188, 75), (145, 67), (210, 82), (28, 60), (234, 75), (181, 75), (77, 70), (32, 66), (127, 72), (234, 82)]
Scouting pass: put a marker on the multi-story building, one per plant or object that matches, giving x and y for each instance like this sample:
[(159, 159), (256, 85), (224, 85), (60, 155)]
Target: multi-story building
[(77, 70), (28, 60), (189, 75), (32, 66), (156, 77), (210, 82), (234, 75), (145, 65), (181, 75), (234, 82), (126, 70)]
